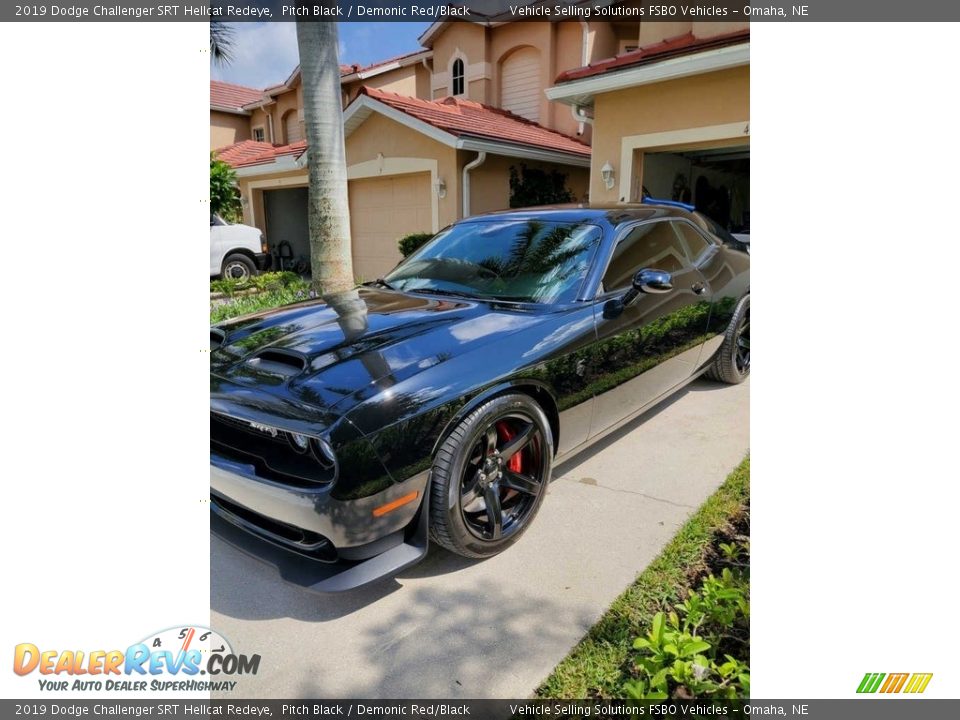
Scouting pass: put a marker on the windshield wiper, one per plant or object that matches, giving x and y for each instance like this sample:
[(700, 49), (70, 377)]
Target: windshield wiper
[(379, 281), (447, 293)]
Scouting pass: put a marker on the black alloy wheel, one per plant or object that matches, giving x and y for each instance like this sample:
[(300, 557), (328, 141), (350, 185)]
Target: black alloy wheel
[(490, 477), (743, 344), (731, 364), (503, 477)]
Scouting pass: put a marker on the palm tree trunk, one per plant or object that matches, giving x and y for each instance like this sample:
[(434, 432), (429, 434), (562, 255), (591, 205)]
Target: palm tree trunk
[(328, 213)]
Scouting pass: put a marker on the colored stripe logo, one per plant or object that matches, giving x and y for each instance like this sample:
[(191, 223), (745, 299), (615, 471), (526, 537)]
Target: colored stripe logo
[(913, 683)]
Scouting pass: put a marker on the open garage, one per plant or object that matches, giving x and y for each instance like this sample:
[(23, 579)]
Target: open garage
[(382, 210), (716, 180)]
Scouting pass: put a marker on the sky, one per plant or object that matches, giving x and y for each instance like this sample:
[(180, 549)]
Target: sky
[(266, 53)]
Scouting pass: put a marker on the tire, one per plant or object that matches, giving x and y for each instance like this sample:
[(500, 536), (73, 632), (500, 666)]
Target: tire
[(474, 466), (732, 362), (238, 267)]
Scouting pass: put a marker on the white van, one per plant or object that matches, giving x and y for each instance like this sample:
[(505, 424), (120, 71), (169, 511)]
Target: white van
[(236, 251)]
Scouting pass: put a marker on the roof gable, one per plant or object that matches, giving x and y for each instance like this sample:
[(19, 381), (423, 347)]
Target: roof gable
[(458, 118)]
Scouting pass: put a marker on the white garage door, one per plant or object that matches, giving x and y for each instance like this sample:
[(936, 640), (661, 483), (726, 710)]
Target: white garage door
[(382, 210), (520, 84)]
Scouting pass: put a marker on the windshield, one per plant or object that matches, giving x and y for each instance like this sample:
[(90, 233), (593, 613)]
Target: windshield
[(521, 260)]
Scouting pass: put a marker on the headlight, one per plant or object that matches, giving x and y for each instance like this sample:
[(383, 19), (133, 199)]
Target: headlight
[(324, 453), (300, 443)]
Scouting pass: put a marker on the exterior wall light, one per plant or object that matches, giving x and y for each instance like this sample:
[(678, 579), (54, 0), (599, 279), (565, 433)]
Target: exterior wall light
[(608, 174), (441, 188)]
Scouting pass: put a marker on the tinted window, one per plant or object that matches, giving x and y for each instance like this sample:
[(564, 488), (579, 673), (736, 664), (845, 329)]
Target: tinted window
[(696, 243), (715, 228), (654, 245), (508, 259)]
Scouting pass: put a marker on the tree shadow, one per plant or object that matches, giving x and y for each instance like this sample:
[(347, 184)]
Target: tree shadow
[(458, 643)]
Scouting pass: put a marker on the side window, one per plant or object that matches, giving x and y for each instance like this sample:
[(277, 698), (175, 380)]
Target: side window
[(457, 77), (654, 245), (696, 243)]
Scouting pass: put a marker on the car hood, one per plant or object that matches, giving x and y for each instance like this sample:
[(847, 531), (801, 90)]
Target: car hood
[(322, 353)]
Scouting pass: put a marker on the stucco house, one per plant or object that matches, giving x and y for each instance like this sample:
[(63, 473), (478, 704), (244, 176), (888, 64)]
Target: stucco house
[(671, 117), (431, 136)]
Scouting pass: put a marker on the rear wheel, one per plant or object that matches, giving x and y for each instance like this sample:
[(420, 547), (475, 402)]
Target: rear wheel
[(732, 362), (490, 477), (238, 267)]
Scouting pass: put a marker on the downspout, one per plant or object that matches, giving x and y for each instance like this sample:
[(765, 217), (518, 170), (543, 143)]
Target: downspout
[(584, 61), (465, 184), (270, 124), (580, 115)]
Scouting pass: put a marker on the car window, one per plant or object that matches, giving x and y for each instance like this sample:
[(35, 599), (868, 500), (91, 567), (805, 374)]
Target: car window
[(652, 245), (522, 260), (215, 220), (696, 243), (715, 228)]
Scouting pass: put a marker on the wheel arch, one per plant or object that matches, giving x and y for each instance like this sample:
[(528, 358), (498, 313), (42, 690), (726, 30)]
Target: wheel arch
[(249, 254), (538, 391)]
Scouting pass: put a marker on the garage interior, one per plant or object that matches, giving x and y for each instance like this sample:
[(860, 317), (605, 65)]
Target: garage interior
[(716, 180)]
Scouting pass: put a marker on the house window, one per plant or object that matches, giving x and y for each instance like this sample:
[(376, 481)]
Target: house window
[(258, 134), (457, 75)]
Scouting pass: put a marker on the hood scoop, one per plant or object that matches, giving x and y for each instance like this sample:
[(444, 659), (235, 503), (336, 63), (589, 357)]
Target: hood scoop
[(278, 362)]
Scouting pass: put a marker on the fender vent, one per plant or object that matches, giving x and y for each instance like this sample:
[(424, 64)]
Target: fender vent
[(280, 362)]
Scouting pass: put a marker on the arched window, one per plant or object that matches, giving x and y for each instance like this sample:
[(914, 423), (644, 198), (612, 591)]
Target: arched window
[(457, 77)]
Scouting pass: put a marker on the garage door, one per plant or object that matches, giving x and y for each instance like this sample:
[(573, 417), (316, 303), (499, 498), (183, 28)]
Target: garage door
[(382, 210), (520, 84)]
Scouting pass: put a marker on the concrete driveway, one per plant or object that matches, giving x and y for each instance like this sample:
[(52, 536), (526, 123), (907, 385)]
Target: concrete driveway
[(456, 628)]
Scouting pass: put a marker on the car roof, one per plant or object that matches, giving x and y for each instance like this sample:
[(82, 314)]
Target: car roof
[(612, 214)]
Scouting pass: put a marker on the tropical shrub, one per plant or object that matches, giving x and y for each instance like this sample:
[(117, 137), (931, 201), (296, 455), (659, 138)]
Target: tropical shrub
[(408, 244)]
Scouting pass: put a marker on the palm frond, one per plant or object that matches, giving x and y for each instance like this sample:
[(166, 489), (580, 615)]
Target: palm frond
[(221, 42)]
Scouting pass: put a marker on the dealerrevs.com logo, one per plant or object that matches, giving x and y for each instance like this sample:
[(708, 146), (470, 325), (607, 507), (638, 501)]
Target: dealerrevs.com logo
[(908, 683), (181, 659)]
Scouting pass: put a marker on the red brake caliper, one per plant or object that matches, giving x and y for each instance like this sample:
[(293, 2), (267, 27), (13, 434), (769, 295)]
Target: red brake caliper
[(506, 434)]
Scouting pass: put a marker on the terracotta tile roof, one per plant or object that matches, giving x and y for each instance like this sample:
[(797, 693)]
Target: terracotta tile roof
[(672, 47), (467, 118), (232, 96), (251, 152), (366, 68)]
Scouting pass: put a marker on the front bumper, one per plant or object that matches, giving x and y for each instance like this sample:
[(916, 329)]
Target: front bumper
[(263, 261), (315, 541)]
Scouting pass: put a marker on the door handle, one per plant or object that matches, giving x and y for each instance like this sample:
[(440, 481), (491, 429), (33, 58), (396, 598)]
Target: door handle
[(699, 287)]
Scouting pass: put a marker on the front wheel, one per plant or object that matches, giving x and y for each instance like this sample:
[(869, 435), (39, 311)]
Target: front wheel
[(238, 267), (490, 477), (732, 362)]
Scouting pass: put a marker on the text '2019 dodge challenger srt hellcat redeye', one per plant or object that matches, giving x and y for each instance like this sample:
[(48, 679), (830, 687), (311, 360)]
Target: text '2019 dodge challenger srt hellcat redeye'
[(346, 432)]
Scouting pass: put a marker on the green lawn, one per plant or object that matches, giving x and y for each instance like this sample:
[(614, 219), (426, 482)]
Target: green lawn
[(604, 661)]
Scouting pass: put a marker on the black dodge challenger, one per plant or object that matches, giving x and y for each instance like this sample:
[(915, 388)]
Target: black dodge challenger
[(347, 432)]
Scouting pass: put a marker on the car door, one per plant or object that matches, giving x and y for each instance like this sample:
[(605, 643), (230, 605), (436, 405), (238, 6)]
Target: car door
[(652, 344)]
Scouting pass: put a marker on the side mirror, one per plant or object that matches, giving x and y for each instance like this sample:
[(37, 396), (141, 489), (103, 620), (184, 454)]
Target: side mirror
[(649, 282), (652, 282)]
